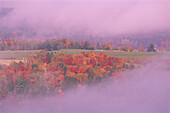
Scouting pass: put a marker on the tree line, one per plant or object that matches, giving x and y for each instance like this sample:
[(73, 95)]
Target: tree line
[(57, 44)]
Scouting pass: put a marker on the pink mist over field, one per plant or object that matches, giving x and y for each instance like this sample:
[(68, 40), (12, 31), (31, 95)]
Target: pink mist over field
[(145, 90)]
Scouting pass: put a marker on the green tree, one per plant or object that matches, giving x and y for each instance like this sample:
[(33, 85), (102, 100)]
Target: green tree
[(48, 57), (65, 70), (20, 63), (150, 48), (0, 66), (105, 47), (47, 45), (69, 82), (91, 74), (98, 45), (21, 85), (34, 66)]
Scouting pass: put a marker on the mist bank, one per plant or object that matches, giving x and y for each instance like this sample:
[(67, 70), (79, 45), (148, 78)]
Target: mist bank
[(85, 18), (141, 91)]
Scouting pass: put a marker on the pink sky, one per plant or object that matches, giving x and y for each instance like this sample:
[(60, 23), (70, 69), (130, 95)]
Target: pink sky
[(97, 17)]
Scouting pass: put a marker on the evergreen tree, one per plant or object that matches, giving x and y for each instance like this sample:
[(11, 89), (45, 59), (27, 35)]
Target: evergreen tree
[(98, 45), (150, 48)]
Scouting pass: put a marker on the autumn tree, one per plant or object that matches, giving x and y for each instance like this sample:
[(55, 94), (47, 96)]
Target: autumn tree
[(67, 43), (105, 47), (160, 49), (141, 49), (130, 49)]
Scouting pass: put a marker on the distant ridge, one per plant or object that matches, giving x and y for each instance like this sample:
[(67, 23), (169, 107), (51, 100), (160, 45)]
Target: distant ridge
[(5, 11)]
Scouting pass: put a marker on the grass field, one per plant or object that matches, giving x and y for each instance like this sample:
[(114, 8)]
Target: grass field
[(111, 53), (16, 54), (118, 54), (7, 56)]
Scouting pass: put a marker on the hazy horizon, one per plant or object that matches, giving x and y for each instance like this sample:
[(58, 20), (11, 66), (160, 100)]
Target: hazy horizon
[(96, 18)]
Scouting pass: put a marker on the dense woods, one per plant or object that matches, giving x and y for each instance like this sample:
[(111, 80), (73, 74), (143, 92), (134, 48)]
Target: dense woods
[(49, 73), (56, 44), (52, 44)]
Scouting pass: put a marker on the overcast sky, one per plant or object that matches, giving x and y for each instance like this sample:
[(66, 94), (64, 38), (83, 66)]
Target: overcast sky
[(98, 17)]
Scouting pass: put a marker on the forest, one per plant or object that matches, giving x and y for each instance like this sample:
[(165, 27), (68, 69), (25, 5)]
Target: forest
[(57, 44), (47, 73)]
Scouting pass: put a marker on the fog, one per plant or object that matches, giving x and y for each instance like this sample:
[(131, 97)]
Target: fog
[(95, 18), (145, 90)]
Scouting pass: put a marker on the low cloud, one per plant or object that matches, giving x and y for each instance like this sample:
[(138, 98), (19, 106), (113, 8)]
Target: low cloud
[(96, 18)]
